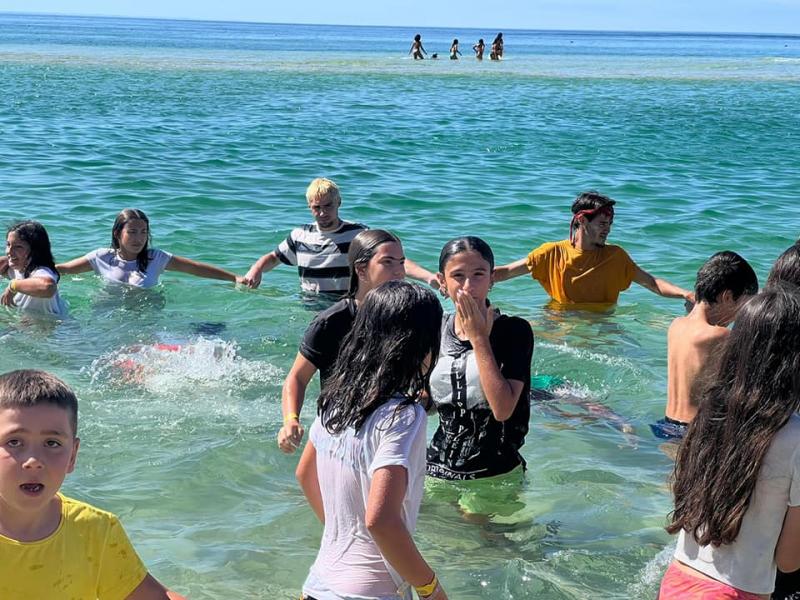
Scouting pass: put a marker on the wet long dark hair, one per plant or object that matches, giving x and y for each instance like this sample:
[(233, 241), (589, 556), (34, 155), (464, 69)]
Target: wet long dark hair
[(125, 216), (787, 267), (753, 392), (362, 249), (397, 326), (35, 235), (465, 244)]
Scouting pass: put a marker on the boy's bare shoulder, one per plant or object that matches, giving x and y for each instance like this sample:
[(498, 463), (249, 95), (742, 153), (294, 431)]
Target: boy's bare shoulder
[(697, 331)]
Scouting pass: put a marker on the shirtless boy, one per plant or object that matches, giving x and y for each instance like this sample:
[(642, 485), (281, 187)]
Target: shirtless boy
[(724, 283)]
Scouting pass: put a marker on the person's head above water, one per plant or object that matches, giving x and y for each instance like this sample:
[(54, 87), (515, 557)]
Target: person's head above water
[(130, 237), (28, 247), (417, 37), (787, 267), (466, 264), (391, 350), (324, 201), (725, 281), (455, 41), (375, 257), (592, 217)]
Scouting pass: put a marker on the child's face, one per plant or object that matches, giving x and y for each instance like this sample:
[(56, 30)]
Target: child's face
[(37, 450), (387, 264), (133, 237), (469, 272), (18, 252), (326, 211)]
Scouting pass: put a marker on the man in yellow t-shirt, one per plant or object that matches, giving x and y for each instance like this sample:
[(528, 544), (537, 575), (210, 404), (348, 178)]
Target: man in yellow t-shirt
[(53, 547), (584, 269)]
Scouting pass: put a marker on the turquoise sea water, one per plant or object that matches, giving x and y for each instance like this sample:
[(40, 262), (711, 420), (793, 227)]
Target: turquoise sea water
[(215, 129)]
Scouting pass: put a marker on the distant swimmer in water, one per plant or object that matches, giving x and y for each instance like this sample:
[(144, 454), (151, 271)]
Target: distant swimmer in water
[(497, 47), (584, 269), (29, 266), (131, 261), (478, 49), (417, 50), (454, 51), (724, 283)]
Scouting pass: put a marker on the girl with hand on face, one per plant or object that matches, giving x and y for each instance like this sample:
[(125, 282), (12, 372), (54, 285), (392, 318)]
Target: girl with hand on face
[(130, 260), (481, 383), (31, 268), (375, 256), (363, 468)]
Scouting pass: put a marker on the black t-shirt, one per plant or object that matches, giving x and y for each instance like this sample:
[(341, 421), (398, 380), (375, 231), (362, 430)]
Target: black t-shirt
[(323, 338), (469, 442)]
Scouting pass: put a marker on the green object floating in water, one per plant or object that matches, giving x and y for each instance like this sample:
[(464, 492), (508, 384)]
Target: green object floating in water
[(546, 382)]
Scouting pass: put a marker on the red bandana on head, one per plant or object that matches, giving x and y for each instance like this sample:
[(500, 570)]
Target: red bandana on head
[(607, 210)]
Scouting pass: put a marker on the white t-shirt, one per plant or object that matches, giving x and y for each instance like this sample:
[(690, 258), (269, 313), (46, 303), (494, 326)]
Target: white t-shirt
[(749, 562), (349, 564), (107, 263), (55, 305)]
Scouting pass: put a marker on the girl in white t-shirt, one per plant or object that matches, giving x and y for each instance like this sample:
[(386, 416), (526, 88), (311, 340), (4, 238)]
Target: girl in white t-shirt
[(737, 474), (130, 260), (363, 467), (30, 266)]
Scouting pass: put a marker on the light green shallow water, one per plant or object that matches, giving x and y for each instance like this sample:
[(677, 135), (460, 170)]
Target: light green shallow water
[(696, 138)]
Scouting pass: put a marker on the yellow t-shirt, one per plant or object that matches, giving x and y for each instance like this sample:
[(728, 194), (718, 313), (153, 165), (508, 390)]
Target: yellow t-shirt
[(89, 557), (574, 276)]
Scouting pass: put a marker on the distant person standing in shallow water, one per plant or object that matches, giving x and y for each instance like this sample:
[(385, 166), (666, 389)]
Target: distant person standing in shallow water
[(454, 51), (584, 269), (497, 47), (417, 50), (478, 49)]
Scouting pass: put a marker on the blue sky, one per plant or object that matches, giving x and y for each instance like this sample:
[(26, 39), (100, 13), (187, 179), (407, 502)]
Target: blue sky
[(763, 16)]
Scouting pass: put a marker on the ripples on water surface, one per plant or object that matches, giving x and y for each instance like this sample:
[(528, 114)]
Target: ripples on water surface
[(215, 130)]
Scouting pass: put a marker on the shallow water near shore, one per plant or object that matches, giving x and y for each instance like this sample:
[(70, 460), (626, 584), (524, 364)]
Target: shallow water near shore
[(214, 130)]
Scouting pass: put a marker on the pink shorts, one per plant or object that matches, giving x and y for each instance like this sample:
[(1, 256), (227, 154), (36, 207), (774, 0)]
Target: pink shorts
[(680, 585)]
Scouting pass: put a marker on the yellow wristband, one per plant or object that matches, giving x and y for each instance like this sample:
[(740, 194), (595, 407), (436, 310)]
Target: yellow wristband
[(291, 417), (13, 285), (427, 590)]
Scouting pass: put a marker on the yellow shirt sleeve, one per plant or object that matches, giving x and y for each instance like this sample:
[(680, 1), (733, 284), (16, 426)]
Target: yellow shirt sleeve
[(121, 569), (628, 270), (538, 262)]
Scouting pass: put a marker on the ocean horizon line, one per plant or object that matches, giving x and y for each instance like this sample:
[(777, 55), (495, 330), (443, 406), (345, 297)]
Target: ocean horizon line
[(642, 32)]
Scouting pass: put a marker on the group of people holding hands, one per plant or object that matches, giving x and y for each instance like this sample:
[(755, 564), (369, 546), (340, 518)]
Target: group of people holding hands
[(388, 355)]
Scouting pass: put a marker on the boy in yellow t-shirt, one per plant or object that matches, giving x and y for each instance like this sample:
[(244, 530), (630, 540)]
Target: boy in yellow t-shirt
[(584, 269), (53, 547)]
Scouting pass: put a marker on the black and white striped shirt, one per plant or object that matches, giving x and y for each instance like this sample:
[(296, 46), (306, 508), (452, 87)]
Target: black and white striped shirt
[(320, 256)]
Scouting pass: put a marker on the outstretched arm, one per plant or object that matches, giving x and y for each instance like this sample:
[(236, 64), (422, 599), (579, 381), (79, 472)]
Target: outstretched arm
[(261, 266), (511, 270), (419, 273), (662, 287), (76, 265), (201, 269)]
